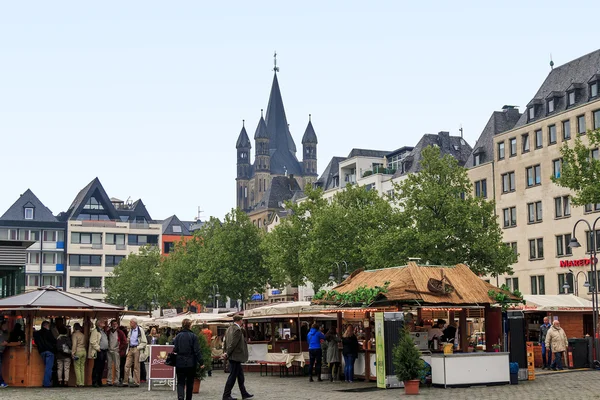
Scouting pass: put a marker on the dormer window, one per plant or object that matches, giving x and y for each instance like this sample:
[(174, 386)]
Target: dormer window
[(572, 98), (28, 213), (551, 106), (531, 112), (594, 89)]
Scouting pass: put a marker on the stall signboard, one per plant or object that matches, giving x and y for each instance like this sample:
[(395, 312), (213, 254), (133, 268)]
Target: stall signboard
[(380, 349), (157, 369), (169, 312)]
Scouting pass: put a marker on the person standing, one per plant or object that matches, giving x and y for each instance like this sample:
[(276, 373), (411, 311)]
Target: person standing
[(546, 352), (123, 353), (137, 345), (350, 352), (117, 344), (333, 354), (64, 349), (46, 345), (315, 337), (237, 353), (189, 356), (3, 344), (556, 340), (78, 353), (97, 351)]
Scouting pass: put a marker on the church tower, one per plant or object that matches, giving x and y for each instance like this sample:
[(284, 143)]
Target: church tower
[(243, 147), (262, 159), (309, 153)]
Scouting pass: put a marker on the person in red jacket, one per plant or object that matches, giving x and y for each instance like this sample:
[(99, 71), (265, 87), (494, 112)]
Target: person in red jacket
[(117, 346)]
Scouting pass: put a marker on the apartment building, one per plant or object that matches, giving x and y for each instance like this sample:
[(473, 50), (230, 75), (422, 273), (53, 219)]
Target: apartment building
[(101, 231), (30, 221), (513, 162)]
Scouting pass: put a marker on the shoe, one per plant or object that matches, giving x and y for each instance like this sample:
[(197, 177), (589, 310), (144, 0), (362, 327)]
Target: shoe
[(95, 385), (109, 384), (311, 379), (135, 385), (247, 396), (3, 385), (119, 385), (229, 398), (554, 369), (320, 380)]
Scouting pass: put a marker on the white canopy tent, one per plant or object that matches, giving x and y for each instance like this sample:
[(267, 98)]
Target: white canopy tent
[(560, 302), (294, 307), (176, 321)]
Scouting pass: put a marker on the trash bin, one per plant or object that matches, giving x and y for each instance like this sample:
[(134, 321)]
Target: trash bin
[(514, 373), (579, 351)]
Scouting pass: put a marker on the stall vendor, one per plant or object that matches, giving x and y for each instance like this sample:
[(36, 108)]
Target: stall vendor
[(436, 331)]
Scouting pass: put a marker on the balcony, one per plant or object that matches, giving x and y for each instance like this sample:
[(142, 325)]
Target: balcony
[(60, 267), (92, 246), (60, 245), (116, 224), (379, 170)]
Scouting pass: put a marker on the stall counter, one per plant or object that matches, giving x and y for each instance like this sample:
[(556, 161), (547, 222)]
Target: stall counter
[(468, 369)]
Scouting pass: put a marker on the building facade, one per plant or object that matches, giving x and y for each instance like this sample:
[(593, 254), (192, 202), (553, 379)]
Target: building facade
[(513, 162), (28, 219)]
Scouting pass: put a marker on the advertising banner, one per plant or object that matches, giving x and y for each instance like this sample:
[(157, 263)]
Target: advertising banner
[(157, 368), (380, 349)]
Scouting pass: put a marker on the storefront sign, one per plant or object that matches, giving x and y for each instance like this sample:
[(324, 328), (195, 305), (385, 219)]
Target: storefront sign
[(157, 367), (380, 350), (169, 312), (576, 263)]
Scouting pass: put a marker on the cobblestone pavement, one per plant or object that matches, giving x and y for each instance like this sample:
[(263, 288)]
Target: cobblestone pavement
[(572, 385)]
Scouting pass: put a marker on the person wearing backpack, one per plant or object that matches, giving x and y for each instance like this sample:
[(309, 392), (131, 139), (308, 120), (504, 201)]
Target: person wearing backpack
[(63, 356), (46, 345), (189, 356)]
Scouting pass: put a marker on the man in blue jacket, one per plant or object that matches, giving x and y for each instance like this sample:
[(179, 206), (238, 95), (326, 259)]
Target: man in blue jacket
[(315, 338)]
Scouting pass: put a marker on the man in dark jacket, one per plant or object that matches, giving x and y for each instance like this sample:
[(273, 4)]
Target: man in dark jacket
[(236, 352), (546, 352), (315, 337), (189, 356), (46, 345)]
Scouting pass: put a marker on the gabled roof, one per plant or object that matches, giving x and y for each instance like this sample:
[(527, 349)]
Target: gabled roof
[(138, 209), (500, 121), (562, 78), (326, 180), (282, 189), (16, 212), (94, 188), (49, 298), (310, 137), (368, 153), (243, 142), (172, 221), (261, 129)]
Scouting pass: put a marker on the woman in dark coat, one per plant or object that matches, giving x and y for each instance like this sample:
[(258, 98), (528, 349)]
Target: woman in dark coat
[(350, 352), (189, 355)]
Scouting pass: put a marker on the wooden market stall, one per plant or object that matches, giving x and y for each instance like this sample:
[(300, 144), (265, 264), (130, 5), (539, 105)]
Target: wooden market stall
[(22, 364), (423, 293)]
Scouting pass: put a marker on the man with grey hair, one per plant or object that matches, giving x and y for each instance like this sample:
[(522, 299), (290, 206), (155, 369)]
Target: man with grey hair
[(97, 351), (557, 342), (136, 340)]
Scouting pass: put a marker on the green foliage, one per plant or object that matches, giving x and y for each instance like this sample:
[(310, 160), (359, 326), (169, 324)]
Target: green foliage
[(363, 295), (136, 281), (367, 173), (502, 297), (406, 358), (201, 373), (442, 222), (580, 172)]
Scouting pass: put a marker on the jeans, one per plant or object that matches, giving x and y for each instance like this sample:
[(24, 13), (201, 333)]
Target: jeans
[(349, 367), (236, 373), (546, 355), (98, 370), (185, 382), (316, 358), (48, 359), (558, 358), (1, 380)]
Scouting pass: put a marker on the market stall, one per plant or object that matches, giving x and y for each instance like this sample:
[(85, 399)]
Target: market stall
[(22, 364), (445, 307)]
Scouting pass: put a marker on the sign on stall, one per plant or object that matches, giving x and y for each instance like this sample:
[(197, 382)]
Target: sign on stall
[(169, 312), (158, 371), (380, 350)]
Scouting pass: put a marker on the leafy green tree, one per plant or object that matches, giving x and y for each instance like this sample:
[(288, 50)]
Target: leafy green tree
[(136, 281), (442, 223), (580, 171)]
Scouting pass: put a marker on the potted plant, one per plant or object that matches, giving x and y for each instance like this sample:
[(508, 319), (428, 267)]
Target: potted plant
[(496, 348), (407, 362), (201, 373)]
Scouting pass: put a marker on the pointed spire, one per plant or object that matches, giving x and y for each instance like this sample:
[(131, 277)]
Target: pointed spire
[(310, 137), (261, 129), (277, 126), (243, 142)]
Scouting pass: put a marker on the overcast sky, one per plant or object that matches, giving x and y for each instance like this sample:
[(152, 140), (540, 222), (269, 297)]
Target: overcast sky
[(149, 96)]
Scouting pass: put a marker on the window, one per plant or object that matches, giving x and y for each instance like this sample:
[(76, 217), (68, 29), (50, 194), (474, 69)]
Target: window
[(168, 247), (512, 283), (49, 258), (513, 246), (581, 125), (508, 182), (34, 258), (481, 188), (531, 112), (552, 134), (86, 238), (513, 146), (534, 212), (49, 236), (115, 238), (594, 89), (176, 228), (550, 106), (592, 207), (112, 261), (536, 249), (510, 216), (565, 280), (85, 282), (572, 97), (562, 245), (477, 160), (28, 213), (12, 234), (595, 154), (33, 280), (562, 206), (525, 142), (566, 129), (93, 204), (538, 286), (141, 240), (556, 167), (589, 240), (538, 139), (85, 260), (596, 115), (534, 175), (501, 151)]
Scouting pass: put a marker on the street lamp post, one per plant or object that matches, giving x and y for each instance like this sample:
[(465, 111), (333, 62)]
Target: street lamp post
[(576, 281), (215, 290), (339, 276), (593, 285)]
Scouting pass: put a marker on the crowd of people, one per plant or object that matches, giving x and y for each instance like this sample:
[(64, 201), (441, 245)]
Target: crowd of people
[(328, 345)]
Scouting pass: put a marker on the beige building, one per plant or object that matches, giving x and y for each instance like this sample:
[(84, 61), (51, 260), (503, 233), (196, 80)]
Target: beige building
[(512, 163)]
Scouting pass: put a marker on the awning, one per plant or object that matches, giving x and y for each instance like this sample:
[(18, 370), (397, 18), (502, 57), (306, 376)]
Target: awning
[(267, 318), (560, 302)]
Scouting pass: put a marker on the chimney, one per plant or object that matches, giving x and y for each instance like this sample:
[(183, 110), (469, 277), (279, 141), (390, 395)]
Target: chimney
[(444, 134)]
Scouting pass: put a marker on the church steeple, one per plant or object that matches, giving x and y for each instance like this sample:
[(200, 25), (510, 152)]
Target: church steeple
[(243, 147), (263, 154), (309, 150), (276, 120)]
